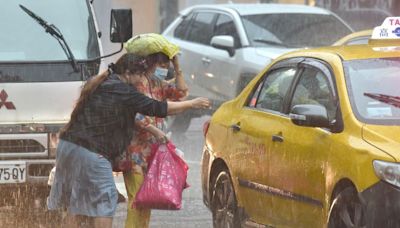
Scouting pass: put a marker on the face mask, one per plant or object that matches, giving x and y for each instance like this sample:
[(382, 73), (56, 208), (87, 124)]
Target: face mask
[(161, 73)]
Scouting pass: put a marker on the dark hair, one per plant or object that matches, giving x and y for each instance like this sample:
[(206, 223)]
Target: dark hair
[(155, 58), (128, 62)]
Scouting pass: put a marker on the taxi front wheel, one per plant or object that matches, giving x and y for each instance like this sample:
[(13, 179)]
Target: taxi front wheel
[(346, 211), (223, 203)]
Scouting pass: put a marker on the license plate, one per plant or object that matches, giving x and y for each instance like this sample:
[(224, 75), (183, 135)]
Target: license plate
[(12, 172)]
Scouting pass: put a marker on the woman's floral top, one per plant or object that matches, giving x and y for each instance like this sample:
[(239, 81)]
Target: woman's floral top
[(140, 146)]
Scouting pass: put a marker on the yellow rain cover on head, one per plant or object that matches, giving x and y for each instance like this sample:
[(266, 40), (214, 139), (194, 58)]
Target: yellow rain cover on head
[(150, 43)]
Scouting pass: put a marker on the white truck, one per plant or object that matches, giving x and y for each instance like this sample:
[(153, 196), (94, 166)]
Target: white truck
[(48, 49)]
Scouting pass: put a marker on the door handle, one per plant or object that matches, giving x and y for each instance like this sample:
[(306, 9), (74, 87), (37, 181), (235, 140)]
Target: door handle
[(206, 60), (235, 127), (277, 138)]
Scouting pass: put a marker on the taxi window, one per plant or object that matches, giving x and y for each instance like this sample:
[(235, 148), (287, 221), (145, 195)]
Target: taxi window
[(313, 88), (271, 93), (373, 87)]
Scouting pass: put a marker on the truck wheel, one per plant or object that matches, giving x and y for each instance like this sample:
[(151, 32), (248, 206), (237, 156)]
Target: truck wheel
[(223, 203), (346, 210)]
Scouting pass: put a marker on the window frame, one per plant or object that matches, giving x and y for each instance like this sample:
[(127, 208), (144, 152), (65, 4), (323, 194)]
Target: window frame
[(301, 77), (300, 63), (193, 19), (236, 46), (326, 69), (189, 16), (287, 63)]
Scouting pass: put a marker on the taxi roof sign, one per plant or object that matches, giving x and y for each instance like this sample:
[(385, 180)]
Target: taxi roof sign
[(390, 29)]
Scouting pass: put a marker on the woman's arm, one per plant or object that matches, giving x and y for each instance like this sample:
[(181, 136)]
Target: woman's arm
[(179, 80), (138, 102), (157, 133), (144, 125), (180, 106)]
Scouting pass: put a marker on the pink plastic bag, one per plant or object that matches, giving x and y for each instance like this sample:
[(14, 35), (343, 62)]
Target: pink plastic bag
[(165, 180)]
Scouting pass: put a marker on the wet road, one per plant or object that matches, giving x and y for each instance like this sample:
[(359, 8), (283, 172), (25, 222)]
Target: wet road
[(192, 215)]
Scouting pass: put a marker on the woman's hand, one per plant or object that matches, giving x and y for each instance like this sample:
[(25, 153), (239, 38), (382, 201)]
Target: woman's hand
[(157, 133), (200, 103), (160, 136), (181, 106), (175, 62)]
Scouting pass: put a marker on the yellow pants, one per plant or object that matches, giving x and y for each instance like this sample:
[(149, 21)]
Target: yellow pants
[(135, 218)]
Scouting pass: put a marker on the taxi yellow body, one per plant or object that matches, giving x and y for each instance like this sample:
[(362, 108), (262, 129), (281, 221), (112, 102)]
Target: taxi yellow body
[(360, 37), (283, 174)]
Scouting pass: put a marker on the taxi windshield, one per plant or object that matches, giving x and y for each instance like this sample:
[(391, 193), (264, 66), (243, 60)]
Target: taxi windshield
[(373, 87), (27, 41)]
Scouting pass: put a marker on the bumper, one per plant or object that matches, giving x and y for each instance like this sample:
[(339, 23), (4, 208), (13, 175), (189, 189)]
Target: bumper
[(382, 204)]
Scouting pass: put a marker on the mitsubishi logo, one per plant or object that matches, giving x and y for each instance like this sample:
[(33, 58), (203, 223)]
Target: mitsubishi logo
[(3, 101)]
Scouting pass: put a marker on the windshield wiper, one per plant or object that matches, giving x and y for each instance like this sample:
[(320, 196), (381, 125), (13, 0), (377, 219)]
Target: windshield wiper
[(56, 33), (388, 99), (270, 42)]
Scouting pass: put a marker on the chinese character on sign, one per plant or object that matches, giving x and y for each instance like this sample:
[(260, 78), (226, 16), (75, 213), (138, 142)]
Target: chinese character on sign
[(384, 32)]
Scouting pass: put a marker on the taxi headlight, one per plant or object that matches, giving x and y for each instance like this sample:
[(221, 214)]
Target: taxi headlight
[(388, 171)]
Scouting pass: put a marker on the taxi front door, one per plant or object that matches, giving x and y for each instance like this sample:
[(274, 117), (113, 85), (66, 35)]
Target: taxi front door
[(302, 161)]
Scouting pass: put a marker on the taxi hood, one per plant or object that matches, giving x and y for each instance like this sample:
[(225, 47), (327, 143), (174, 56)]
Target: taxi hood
[(386, 138)]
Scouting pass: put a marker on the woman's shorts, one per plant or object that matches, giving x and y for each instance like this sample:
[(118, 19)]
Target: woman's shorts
[(83, 183)]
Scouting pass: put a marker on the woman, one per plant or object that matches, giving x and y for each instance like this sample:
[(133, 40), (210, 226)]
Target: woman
[(99, 130), (151, 129)]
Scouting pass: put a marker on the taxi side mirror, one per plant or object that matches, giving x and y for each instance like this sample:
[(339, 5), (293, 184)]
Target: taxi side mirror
[(310, 115)]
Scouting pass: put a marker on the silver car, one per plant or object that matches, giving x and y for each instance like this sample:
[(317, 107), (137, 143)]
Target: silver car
[(224, 46)]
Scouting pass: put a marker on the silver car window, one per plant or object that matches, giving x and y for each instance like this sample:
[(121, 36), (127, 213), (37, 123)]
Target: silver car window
[(294, 29), (226, 26), (182, 28), (201, 28)]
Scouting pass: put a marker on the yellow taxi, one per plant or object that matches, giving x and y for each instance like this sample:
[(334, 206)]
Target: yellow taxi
[(312, 141), (360, 37)]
